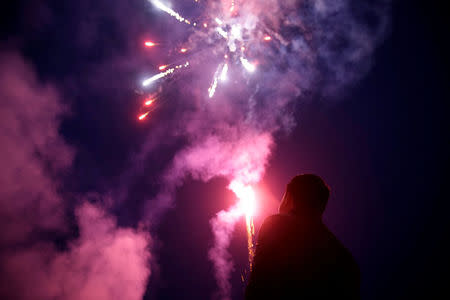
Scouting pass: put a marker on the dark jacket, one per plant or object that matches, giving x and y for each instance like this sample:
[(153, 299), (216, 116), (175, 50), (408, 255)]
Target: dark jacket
[(298, 258)]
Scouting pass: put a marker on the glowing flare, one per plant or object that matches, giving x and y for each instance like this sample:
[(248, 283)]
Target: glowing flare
[(247, 206), (267, 38), (149, 44), (143, 116), (149, 102), (246, 196), (163, 67), (183, 50), (247, 65)]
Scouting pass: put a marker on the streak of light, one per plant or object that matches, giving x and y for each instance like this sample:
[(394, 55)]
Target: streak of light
[(212, 88), (149, 44), (149, 102), (222, 32), (223, 74), (163, 67), (143, 116), (247, 204), (218, 21), (267, 38), (247, 65), (170, 11), (147, 81)]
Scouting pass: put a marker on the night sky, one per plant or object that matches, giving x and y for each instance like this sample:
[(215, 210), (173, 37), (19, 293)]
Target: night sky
[(79, 173)]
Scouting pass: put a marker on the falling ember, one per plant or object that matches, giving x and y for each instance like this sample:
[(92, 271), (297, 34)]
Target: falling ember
[(267, 38), (149, 102), (143, 116), (163, 67), (183, 50), (149, 44)]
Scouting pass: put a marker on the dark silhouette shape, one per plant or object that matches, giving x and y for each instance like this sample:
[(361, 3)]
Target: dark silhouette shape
[(297, 257)]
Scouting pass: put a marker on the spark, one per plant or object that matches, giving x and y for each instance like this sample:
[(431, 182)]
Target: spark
[(170, 11), (163, 67), (223, 75), (183, 50), (143, 116), (267, 38), (157, 76), (221, 72), (218, 21), (222, 32), (149, 44), (247, 205), (147, 81), (149, 102), (247, 65)]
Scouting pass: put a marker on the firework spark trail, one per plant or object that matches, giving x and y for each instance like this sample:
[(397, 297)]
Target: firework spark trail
[(247, 205), (168, 10), (219, 72), (147, 81)]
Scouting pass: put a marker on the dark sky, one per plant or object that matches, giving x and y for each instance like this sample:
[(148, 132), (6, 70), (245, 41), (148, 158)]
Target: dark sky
[(382, 146)]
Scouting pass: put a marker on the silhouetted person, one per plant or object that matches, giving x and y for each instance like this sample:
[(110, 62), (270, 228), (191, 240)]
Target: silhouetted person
[(297, 257)]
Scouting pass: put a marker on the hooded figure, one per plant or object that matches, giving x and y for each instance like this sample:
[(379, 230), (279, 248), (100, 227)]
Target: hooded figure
[(297, 257)]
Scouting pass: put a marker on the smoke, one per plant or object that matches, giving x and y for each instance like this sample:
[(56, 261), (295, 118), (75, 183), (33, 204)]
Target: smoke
[(104, 261), (223, 225), (319, 49)]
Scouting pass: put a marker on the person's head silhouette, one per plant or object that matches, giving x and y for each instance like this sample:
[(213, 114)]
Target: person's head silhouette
[(305, 195)]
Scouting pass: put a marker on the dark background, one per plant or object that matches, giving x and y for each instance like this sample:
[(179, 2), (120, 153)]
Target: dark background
[(383, 149)]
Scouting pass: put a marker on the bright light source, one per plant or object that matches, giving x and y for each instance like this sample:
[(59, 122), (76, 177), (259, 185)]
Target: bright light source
[(149, 44), (247, 65), (143, 116)]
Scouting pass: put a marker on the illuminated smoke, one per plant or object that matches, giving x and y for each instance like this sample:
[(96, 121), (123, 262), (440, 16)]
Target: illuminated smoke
[(277, 53), (104, 261)]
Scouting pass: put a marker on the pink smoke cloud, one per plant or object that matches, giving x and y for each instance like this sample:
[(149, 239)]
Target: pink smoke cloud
[(222, 226), (105, 261)]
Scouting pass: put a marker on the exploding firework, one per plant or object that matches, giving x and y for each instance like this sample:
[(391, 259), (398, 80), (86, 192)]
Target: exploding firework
[(255, 58), (231, 35)]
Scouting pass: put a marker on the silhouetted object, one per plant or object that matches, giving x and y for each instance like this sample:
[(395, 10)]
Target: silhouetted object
[(297, 257)]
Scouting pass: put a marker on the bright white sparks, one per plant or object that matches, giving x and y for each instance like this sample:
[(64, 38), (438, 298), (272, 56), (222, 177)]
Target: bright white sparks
[(168, 10), (246, 195), (146, 82), (223, 75), (247, 65), (222, 32)]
